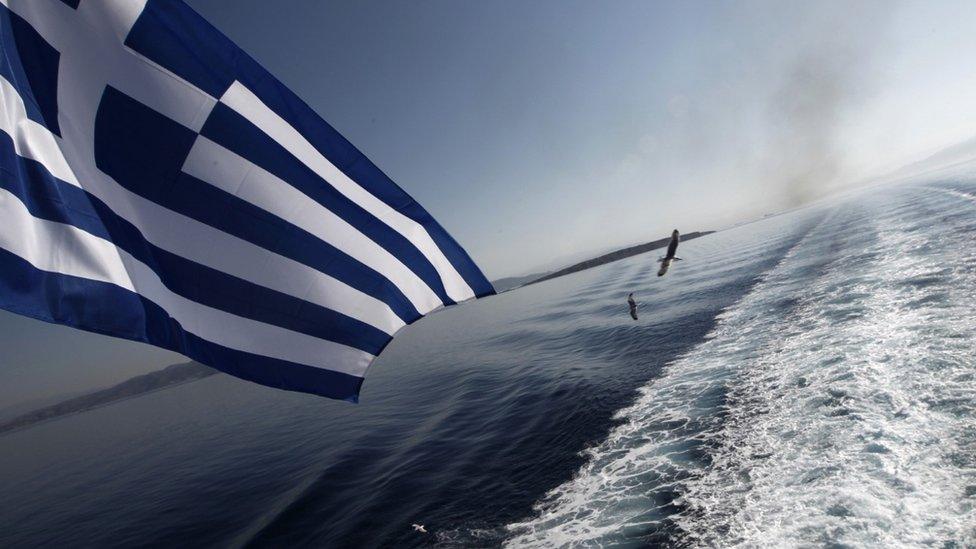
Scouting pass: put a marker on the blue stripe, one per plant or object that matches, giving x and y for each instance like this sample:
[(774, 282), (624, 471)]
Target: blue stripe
[(49, 198), (110, 310), (173, 35), (210, 68), (144, 152), (234, 132), (31, 65)]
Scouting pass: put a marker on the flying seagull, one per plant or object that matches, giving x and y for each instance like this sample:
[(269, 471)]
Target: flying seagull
[(420, 528), (672, 248), (633, 306)]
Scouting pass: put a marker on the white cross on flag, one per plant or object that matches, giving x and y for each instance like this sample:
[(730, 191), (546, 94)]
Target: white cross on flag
[(158, 185)]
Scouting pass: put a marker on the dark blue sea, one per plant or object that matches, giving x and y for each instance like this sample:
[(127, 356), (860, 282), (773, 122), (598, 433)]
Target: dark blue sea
[(805, 380)]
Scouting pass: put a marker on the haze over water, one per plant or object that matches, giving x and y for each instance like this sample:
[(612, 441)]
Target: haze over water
[(805, 379)]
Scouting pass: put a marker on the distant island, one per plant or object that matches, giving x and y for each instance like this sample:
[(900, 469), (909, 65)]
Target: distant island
[(510, 283), (192, 371), (139, 385)]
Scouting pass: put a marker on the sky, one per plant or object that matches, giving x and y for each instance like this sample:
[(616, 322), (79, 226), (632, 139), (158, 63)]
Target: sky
[(535, 131), (541, 132)]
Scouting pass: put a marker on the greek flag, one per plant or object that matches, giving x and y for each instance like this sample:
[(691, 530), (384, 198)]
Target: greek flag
[(158, 185)]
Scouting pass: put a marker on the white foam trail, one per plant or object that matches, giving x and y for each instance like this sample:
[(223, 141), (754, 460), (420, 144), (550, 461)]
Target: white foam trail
[(855, 429), (834, 404), (647, 453)]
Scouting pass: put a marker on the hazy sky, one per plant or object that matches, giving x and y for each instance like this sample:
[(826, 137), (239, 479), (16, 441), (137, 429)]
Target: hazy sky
[(536, 131)]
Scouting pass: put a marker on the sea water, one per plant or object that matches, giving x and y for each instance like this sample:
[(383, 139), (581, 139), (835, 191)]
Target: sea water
[(809, 379)]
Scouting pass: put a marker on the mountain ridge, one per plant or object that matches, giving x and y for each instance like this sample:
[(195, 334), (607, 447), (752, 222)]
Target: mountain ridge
[(135, 386), (513, 282)]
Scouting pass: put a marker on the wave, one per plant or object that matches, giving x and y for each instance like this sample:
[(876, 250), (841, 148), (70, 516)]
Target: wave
[(833, 404)]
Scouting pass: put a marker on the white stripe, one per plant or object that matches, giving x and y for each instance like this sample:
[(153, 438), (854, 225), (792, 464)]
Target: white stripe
[(248, 105), (31, 140), (236, 175), (64, 249), (202, 243)]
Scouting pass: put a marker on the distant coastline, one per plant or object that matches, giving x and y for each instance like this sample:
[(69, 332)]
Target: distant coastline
[(511, 283), (136, 386), (192, 371)]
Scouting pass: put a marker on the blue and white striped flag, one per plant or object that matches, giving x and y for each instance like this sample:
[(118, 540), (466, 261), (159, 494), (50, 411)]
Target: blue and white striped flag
[(158, 185)]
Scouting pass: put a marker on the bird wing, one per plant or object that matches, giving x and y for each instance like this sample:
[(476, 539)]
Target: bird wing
[(673, 246)]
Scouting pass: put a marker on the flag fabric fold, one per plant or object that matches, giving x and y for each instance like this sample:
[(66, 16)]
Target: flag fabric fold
[(157, 184)]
